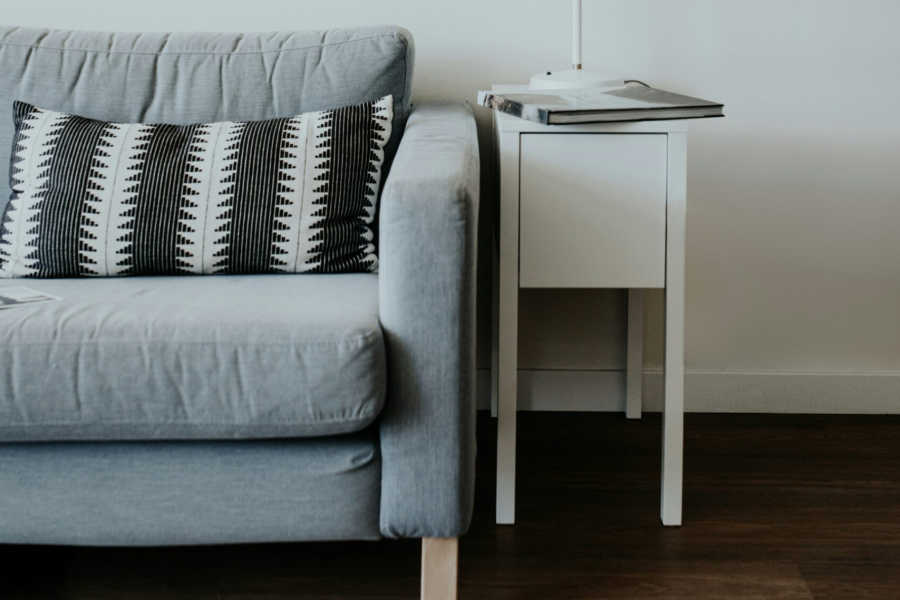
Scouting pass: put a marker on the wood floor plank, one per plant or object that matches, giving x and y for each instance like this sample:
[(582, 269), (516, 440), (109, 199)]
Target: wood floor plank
[(852, 581), (641, 579)]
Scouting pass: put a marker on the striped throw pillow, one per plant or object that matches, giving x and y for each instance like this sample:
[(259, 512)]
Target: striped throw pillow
[(290, 195)]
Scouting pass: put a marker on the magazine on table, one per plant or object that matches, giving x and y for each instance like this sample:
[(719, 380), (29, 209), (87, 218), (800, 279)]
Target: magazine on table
[(561, 107)]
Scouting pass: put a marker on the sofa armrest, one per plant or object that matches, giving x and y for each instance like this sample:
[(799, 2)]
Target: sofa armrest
[(427, 232)]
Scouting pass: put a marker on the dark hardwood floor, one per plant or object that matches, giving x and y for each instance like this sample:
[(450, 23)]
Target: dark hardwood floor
[(775, 507)]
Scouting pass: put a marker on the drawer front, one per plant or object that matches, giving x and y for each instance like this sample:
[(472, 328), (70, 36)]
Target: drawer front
[(592, 210)]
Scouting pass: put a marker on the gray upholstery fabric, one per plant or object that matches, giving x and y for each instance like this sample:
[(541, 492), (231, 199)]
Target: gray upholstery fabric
[(192, 357), (168, 493), (185, 78), (427, 297), (241, 491)]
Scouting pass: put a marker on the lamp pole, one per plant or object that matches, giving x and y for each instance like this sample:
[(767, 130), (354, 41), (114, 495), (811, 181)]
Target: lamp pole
[(576, 34)]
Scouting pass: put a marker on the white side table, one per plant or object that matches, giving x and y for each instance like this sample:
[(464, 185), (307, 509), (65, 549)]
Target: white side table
[(590, 206)]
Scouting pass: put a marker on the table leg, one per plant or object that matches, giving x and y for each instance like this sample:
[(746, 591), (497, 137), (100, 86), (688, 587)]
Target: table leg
[(495, 324), (635, 354), (673, 403), (508, 320)]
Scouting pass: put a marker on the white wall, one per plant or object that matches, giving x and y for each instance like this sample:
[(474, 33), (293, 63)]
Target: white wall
[(793, 259)]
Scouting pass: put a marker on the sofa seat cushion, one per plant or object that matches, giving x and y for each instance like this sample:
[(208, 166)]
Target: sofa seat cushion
[(225, 357)]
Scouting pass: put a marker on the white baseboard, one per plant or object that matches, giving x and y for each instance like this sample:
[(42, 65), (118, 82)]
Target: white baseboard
[(709, 391)]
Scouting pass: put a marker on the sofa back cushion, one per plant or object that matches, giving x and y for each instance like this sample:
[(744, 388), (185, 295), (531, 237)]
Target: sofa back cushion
[(187, 78), (292, 195)]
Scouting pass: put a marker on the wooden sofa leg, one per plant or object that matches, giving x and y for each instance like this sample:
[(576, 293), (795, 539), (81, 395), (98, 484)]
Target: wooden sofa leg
[(439, 567)]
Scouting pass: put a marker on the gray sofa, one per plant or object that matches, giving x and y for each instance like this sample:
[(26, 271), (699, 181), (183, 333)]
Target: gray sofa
[(234, 409)]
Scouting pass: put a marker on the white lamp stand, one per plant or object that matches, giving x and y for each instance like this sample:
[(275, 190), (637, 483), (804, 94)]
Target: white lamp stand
[(575, 77)]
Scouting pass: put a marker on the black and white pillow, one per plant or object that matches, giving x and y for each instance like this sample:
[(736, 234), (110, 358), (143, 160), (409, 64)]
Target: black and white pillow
[(289, 195)]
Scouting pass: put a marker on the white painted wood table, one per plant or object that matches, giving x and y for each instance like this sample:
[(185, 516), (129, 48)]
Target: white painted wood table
[(590, 206)]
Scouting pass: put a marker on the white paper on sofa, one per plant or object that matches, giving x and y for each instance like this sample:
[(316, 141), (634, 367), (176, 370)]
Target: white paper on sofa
[(15, 297)]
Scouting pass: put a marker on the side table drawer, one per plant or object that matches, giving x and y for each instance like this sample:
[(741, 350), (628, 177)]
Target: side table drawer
[(592, 210)]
